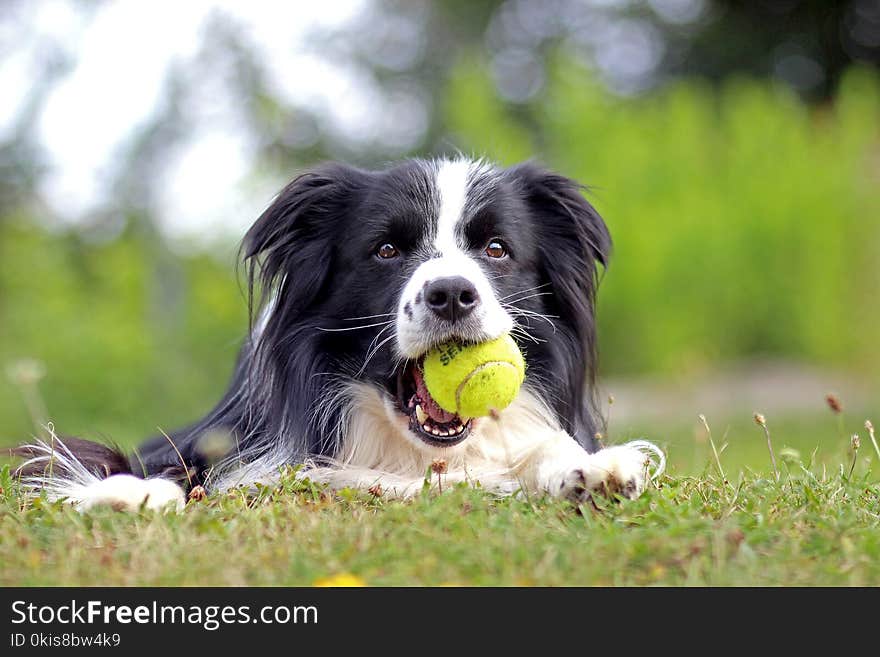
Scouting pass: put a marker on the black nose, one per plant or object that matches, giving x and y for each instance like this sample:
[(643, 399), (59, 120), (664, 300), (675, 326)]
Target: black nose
[(452, 298)]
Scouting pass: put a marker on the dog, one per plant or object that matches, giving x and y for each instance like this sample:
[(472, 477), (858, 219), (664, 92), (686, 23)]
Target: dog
[(353, 275)]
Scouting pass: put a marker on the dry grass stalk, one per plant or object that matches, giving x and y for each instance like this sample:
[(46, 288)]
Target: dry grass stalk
[(761, 421), (854, 443), (439, 467), (198, 493), (712, 443), (870, 429)]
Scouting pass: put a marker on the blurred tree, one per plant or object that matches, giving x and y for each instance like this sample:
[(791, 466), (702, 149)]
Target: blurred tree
[(404, 52), (727, 254), (807, 44), (21, 158), (632, 47)]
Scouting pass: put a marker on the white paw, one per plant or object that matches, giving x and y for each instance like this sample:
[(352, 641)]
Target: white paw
[(128, 493), (620, 470)]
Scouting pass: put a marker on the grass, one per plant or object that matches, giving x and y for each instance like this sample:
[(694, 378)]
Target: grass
[(742, 445), (809, 528), (752, 501)]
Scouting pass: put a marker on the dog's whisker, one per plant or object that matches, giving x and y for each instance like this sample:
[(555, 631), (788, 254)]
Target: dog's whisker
[(373, 353), (515, 310), (378, 335), (513, 294), (526, 311), (524, 328), (531, 296), (521, 312), (371, 347), (351, 319), (518, 330), (354, 328), (530, 316)]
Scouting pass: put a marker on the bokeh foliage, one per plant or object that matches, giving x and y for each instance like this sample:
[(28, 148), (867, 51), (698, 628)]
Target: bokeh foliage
[(122, 356), (746, 224)]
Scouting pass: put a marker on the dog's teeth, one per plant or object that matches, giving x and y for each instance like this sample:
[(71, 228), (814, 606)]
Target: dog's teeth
[(435, 432), (421, 415)]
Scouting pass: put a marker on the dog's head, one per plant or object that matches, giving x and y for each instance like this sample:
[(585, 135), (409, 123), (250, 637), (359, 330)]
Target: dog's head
[(367, 271)]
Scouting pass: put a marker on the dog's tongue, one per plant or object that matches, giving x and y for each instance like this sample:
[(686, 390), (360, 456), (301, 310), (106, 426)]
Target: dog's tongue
[(428, 404)]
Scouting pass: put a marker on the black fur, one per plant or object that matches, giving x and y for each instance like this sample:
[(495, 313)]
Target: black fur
[(313, 252), (102, 460), (573, 240)]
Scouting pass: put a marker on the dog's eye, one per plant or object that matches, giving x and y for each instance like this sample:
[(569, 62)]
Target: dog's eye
[(496, 249), (387, 251)]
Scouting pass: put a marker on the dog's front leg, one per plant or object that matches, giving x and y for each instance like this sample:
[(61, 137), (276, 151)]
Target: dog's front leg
[(564, 469)]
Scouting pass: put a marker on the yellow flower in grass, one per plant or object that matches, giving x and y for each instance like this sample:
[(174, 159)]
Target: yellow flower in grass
[(342, 579)]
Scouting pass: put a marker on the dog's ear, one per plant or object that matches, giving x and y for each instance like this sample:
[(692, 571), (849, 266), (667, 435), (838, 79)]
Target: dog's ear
[(288, 249), (575, 238), (573, 241)]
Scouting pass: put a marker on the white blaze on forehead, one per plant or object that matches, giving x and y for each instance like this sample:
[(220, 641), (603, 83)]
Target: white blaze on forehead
[(418, 328), (452, 185)]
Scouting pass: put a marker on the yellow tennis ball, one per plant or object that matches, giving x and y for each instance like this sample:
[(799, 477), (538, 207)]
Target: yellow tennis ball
[(472, 380)]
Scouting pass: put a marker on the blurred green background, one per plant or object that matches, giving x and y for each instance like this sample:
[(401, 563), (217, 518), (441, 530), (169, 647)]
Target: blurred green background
[(733, 149)]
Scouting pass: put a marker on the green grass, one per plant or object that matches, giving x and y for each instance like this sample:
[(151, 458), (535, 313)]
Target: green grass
[(818, 525), (819, 436), (809, 528), (744, 223)]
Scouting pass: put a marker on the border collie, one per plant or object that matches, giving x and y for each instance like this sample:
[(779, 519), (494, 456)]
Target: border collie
[(353, 276)]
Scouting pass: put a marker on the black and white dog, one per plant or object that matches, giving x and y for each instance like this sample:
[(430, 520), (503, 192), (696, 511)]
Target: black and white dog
[(359, 274)]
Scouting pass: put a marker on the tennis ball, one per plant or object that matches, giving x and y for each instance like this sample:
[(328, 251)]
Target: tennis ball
[(472, 380)]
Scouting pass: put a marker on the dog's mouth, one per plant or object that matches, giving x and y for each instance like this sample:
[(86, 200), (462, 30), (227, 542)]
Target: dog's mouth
[(427, 420)]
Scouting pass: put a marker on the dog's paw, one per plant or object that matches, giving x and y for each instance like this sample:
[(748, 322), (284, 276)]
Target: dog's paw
[(128, 493), (622, 470)]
